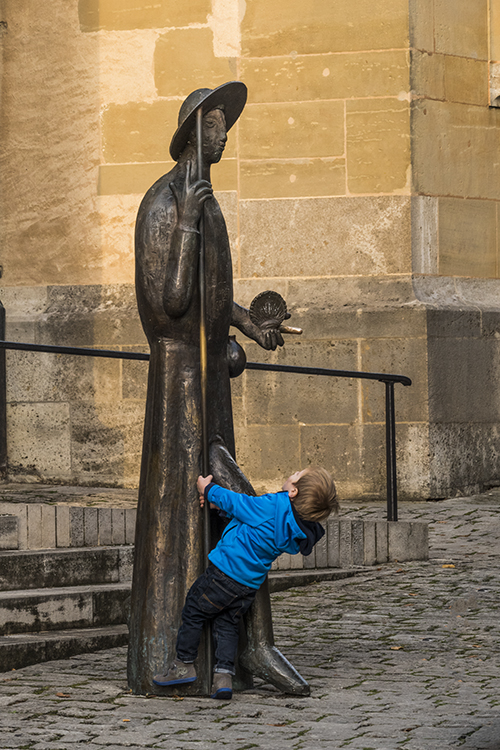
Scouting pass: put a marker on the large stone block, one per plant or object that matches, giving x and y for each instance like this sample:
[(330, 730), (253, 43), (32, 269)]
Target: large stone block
[(126, 179), (50, 124), (336, 447), (333, 543), (9, 532), (405, 356), (461, 28), (382, 541), (96, 15), (126, 70), (105, 527), (282, 27), (23, 303), (427, 73), (414, 461), (461, 372), (325, 237), (38, 377), (118, 525), (378, 146), (193, 52), (467, 238), (63, 535), (321, 552), (268, 454), (408, 540), (17, 330), (424, 235), (326, 76), (65, 567), (118, 214), (25, 612), (346, 557), (130, 522), (138, 131), (289, 178), (106, 442), (369, 542), (302, 129), (465, 456), (39, 441), (136, 179), (422, 24), (495, 30), (460, 322), (356, 456), (48, 526), (284, 398), (77, 526), (134, 378), (91, 528), (466, 80), (452, 148), (342, 307)]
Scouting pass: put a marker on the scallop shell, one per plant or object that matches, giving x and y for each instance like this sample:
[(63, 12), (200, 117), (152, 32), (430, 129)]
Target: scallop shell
[(268, 310)]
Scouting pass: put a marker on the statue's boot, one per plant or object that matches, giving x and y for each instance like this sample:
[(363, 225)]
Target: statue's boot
[(260, 658)]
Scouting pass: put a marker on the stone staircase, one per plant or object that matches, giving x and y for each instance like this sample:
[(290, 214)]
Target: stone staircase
[(59, 602), (66, 570)]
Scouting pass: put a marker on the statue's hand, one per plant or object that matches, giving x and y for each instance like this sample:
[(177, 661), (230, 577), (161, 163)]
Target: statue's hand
[(270, 338), (268, 335), (190, 199)]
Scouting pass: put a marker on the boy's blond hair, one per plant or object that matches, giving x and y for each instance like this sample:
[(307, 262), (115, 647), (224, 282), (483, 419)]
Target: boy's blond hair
[(316, 497)]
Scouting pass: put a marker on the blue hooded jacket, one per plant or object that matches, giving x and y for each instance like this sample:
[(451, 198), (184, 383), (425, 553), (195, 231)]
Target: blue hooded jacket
[(260, 530)]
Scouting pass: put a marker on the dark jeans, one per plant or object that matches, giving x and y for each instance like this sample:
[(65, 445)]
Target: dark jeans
[(214, 596)]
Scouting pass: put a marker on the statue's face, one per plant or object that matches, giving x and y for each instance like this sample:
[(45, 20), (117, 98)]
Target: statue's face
[(214, 135)]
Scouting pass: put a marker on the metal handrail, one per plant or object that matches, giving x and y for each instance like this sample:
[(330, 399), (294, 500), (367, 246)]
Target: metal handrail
[(388, 378)]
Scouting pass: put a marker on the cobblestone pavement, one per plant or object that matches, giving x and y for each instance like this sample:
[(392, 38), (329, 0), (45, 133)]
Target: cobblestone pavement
[(401, 656)]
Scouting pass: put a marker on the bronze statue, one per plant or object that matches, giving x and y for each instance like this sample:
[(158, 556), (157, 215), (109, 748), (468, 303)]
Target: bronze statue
[(169, 535)]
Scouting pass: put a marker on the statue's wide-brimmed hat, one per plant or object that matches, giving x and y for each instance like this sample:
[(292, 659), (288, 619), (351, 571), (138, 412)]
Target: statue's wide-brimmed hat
[(232, 96)]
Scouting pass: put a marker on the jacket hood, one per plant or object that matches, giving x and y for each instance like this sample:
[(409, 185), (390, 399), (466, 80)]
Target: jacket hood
[(287, 532), (313, 530)]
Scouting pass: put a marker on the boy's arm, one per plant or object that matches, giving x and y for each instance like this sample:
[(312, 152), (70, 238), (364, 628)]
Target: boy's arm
[(245, 508)]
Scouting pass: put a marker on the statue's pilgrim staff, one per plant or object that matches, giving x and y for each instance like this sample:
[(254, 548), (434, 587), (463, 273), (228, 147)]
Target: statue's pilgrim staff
[(205, 469)]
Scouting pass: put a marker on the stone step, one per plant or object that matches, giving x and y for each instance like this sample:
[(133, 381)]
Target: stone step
[(17, 651), (287, 579), (46, 609), (30, 569), (40, 610)]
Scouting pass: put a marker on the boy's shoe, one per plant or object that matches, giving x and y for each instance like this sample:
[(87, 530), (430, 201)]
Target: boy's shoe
[(222, 686), (178, 674)]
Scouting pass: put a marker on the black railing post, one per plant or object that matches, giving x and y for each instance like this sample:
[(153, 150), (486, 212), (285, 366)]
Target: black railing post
[(390, 448), (3, 400)]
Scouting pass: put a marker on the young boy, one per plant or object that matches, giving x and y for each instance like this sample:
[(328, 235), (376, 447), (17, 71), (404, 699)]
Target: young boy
[(261, 528)]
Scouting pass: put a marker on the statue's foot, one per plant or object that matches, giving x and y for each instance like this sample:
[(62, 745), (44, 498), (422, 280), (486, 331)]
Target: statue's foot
[(270, 665)]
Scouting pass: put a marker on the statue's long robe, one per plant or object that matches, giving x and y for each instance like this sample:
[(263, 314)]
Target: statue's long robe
[(169, 536)]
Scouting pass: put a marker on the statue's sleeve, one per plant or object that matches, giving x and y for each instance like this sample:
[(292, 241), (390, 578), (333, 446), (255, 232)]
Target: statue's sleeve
[(165, 261), (153, 238)]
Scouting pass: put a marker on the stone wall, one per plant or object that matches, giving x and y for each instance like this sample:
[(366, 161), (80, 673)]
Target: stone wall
[(360, 182)]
